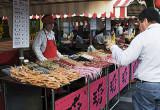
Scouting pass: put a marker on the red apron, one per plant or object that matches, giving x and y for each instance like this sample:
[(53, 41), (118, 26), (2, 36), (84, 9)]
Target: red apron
[(51, 52), (51, 49)]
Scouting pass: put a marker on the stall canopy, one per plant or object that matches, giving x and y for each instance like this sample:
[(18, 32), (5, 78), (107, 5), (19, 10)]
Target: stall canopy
[(127, 8), (62, 8)]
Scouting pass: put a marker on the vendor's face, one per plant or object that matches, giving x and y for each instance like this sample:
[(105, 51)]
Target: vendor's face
[(49, 26)]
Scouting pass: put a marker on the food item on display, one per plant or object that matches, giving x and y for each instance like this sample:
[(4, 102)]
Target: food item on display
[(71, 75), (87, 56), (61, 78), (42, 69), (63, 63), (48, 64), (31, 64), (100, 64), (101, 54), (94, 55), (75, 63), (88, 72), (80, 58), (54, 79)]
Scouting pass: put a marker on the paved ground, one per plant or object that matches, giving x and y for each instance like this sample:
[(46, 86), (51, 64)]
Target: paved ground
[(126, 99)]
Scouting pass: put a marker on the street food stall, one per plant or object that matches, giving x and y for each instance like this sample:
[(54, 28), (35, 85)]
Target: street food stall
[(91, 78)]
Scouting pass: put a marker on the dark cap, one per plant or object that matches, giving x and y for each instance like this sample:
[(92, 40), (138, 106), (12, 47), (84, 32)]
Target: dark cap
[(48, 19)]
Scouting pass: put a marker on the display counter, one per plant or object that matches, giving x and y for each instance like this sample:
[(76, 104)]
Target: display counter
[(88, 92)]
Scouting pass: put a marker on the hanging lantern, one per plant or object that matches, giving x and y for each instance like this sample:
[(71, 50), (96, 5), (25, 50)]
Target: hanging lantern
[(157, 3)]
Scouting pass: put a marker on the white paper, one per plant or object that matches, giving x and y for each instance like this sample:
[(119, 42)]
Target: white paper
[(108, 23), (20, 23), (93, 24)]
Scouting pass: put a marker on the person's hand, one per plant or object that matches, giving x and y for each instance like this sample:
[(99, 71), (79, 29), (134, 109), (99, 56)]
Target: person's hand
[(108, 45)]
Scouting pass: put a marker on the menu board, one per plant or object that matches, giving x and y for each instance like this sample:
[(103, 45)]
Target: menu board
[(20, 23)]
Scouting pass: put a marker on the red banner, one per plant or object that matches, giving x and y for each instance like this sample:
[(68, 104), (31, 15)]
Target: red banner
[(134, 68), (77, 100), (98, 93), (124, 76), (113, 84)]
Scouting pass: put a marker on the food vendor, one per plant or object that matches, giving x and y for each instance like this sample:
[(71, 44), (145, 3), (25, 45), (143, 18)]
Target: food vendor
[(44, 43)]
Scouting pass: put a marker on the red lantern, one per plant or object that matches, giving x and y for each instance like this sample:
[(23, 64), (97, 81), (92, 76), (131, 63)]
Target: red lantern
[(157, 3)]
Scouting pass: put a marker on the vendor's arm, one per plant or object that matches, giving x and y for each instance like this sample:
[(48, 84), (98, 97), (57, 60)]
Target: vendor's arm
[(129, 55), (59, 54), (37, 47)]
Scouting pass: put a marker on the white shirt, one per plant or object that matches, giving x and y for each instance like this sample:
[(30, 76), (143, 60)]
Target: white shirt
[(40, 43), (145, 47), (119, 31), (79, 40), (99, 38)]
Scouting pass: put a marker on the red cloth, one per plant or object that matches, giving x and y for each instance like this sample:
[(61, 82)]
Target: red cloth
[(48, 19), (51, 49), (9, 57)]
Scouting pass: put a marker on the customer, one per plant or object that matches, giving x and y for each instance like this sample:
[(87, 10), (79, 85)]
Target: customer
[(44, 43), (145, 47), (76, 40), (119, 31)]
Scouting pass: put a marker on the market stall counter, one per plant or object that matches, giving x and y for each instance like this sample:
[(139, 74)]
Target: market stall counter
[(90, 80)]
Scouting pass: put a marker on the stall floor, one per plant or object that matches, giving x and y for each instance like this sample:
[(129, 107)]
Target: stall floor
[(126, 99)]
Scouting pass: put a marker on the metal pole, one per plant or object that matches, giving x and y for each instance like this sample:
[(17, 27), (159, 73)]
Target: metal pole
[(59, 28), (45, 97), (91, 36), (5, 98), (107, 72), (21, 56), (53, 100), (88, 95)]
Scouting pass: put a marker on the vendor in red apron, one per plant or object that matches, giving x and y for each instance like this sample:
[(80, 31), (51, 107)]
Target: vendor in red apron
[(44, 43)]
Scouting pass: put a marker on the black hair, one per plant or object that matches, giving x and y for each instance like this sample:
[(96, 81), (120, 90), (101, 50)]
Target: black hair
[(122, 24), (150, 14)]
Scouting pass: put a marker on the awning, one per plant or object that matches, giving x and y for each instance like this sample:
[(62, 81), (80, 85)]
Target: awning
[(67, 8), (127, 8)]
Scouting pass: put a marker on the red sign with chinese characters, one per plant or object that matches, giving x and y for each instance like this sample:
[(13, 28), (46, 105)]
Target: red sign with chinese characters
[(77, 100), (113, 84), (134, 68), (124, 76), (98, 93)]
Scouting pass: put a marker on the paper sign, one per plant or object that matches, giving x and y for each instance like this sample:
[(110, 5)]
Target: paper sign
[(93, 25), (113, 84), (124, 76), (77, 100), (108, 23), (20, 23), (134, 68), (98, 93)]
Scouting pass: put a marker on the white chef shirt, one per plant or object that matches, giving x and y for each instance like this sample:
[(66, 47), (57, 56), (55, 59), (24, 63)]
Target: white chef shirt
[(40, 43), (145, 47)]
